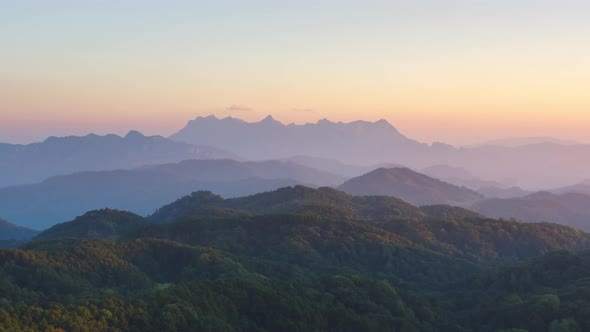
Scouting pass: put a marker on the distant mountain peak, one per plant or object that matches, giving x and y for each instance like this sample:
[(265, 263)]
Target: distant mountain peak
[(383, 123), (324, 121), (270, 120), (271, 139), (409, 185), (134, 134)]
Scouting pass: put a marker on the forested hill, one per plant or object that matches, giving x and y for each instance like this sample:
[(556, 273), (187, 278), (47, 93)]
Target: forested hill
[(296, 199), (100, 224), (441, 228), (294, 259)]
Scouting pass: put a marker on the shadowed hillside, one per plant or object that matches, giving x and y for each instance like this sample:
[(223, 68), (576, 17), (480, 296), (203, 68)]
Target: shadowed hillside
[(569, 209), (24, 164), (144, 189), (12, 235), (100, 224), (293, 259), (411, 186), (445, 229)]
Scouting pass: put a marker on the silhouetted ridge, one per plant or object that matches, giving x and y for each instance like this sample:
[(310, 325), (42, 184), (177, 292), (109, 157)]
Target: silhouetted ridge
[(98, 224), (571, 209), (142, 190), (270, 139), (134, 134), (410, 186), (308, 256), (297, 199), (24, 164), (10, 231)]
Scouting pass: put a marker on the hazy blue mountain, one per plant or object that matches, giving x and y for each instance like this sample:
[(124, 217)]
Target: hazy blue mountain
[(411, 186), (25, 164), (521, 141), (143, 189), (372, 143), (531, 167), (503, 192), (459, 177), (571, 209), (10, 231), (447, 172), (355, 142), (332, 165), (463, 178), (580, 188)]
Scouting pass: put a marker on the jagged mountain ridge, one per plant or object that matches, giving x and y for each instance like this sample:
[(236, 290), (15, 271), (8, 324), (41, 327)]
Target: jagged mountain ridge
[(372, 143), (271, 139), (25, 164)]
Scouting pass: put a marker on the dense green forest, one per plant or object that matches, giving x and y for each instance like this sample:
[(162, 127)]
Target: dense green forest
[(297, 259)]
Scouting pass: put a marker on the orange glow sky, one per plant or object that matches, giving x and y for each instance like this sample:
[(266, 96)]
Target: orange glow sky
[(455, 71)]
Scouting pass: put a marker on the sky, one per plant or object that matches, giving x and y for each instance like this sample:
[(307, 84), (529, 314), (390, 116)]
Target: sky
[(456, 71)]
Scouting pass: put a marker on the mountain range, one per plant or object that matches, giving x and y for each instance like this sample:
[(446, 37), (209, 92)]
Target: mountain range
[(259, 221), (354, 142), (372, 143), (345, 149), (139, 190), (580, 188), (571, 209), (130, 173), (521, 141), (296, 259), (26, 164)]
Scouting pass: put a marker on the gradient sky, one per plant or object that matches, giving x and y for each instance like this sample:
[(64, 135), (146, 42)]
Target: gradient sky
[(454, 71)]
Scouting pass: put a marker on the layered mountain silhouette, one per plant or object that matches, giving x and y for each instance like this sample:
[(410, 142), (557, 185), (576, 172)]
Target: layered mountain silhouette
[(580, 188), (521, 141), (314, 222), (332, 165), (323, 201), (410, 186), (352, 142), (571, 209), (503, 192), (24, 164), (310, 259), (143, 189), (10, 231), (463, 178), (371, 143)]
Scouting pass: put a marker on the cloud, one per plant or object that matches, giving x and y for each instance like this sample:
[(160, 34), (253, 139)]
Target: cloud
[(238, 108)]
